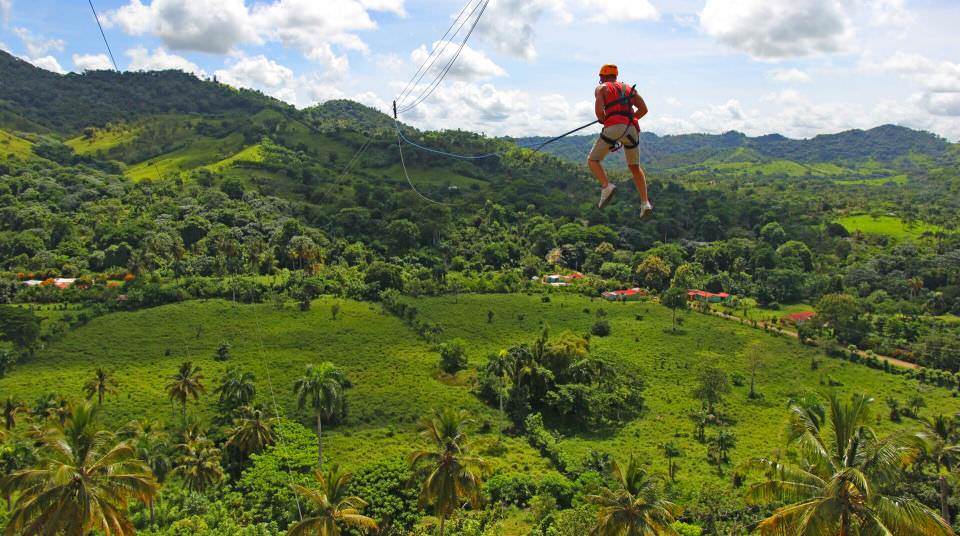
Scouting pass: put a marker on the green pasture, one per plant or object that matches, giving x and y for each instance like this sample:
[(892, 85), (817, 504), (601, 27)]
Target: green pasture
[(669, 364), (201, 152), (15, 146), (891, 226), (396, 380)]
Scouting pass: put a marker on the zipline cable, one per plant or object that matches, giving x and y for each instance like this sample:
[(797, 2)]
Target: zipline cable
[(443, 73), (407, 175), (104, 35), (273, 396), (434, 53)]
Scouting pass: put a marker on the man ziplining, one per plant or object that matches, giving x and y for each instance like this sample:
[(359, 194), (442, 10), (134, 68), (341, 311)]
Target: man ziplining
[(615, 103)]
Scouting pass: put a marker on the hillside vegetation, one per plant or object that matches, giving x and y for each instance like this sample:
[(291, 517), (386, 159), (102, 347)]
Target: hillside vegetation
[(233, 294)]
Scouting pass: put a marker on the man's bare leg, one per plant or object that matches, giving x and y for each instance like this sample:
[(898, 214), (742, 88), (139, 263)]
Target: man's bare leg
[(640, 179), (598, 172)]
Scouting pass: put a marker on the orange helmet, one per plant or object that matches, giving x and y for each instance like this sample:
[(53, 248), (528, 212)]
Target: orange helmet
[(609, 70)]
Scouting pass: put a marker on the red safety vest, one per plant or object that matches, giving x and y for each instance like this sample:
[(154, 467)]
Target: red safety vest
[(617, 113)]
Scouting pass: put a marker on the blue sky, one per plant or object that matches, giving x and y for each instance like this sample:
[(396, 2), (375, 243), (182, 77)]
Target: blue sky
[(796, 67)]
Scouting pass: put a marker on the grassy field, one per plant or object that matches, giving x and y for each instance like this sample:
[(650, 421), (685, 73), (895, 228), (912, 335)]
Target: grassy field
[(759, 313), (103, 140), (395, 378), (14, 146), (891, 226), (201, 152), (899, 180), (670, 364)]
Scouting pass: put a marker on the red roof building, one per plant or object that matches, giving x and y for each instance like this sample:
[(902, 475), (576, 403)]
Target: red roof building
[(703, 295), (799, 318), (630, 294)]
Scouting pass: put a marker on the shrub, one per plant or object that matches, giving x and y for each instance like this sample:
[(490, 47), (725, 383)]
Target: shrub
[(453, 356), (600, 328), (511, 488), (557, 486)]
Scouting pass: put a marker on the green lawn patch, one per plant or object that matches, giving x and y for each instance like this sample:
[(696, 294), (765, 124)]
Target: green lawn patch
[(891, 226)]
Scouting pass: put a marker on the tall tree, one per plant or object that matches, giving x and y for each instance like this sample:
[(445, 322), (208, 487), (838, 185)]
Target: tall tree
[(450, 475), (334, 506), (835, 486), (675, 299), (186, 383), (82, 483), (937, 436), (251, 432), (236, 389), (12, 408), (100, 384), (199, 464), (713, 385), (322, 389), (634, 506)]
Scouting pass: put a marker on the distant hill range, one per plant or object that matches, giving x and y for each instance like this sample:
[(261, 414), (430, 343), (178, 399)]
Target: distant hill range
[(884, 143), (39, 101)]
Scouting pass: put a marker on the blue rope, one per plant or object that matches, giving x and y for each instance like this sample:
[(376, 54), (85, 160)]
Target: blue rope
[(455, 155)]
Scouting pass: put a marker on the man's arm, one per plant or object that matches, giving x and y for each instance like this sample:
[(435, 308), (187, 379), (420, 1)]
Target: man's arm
[(598, 107), (640, 105)]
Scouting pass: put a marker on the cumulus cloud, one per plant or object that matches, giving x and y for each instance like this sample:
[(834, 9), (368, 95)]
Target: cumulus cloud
[(142, 59), (482, 107), (938, 80), (508, 25), (38, 46), (47, 62), (92, 62), (213, 26), (470, 65), (263, 74), (772, 29), (318, 31), (789, 75)]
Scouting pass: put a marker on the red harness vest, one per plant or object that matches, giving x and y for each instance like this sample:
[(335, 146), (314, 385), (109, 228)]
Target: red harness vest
[(617, 106)]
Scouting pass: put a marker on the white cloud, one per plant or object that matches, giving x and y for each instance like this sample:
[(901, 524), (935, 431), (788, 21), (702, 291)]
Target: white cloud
[(263, 74), (47, 62), (773, 29), (142, 59), (6, 6), (38, 46), (508, 24), (606, 11), (319, 30), (213, 26), (789, 75), (92, 62), (939, 80), (485, 108), (470, 65)]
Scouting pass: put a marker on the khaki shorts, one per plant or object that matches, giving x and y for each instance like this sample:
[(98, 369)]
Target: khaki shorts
[(617, 132)]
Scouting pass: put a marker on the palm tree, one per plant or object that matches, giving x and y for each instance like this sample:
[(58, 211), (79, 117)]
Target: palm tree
[(450, 475), (321, 388), (199, 465), (635, 506), (101, 384), (237, 388), (82, 483), (11, 408), (251, 432), (937, 438), (834, 486), (151, 445), (334, 507), (720, 446), (186, 383)]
